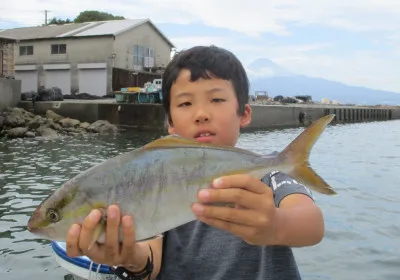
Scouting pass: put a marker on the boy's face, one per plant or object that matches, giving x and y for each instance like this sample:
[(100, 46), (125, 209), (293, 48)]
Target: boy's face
[(206, 110)]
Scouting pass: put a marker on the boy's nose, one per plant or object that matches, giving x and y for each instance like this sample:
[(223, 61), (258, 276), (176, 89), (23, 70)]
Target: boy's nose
[(202, 116), (202, 119)]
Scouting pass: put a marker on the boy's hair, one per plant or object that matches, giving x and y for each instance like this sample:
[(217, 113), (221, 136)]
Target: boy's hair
[(206, 62)]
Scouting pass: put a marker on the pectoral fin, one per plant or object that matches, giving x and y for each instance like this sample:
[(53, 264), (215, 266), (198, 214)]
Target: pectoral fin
[(97, 232)]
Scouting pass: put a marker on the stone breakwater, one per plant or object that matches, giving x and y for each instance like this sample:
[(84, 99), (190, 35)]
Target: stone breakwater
[(19, 123)]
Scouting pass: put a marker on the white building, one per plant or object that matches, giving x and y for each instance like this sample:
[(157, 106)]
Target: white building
[(79, 58)]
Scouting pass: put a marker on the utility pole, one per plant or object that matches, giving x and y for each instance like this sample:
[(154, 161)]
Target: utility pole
[(45, 16)]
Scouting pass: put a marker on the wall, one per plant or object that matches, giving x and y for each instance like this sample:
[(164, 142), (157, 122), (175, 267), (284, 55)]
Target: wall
[(10, 93), (152, 115), (144, 35), (133, 115), (79, 50), (294, 115)]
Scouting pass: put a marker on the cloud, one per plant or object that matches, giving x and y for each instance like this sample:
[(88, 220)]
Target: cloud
[(369, 68), (358, 42), (252, 17), (362, 68)]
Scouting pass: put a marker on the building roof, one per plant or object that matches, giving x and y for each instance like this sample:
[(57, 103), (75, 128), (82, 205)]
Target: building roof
[(7, 39), (87, 29)]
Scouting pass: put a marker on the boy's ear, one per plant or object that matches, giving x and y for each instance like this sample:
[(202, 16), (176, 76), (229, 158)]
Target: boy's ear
[(171, 129), (245, 119)]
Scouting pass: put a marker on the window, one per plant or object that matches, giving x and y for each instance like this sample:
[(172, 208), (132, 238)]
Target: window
[(150, 52), (59, 49), (140, 53), (26, 50)]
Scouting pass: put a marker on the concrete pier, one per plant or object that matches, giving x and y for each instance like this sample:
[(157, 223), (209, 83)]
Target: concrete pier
[(10, 93), (151, 116)]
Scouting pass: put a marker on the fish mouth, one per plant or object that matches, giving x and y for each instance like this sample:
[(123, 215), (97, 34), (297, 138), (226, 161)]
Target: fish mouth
[(31, 227)]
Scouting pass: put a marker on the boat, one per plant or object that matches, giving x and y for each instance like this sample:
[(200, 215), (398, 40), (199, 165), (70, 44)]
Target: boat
[(81, 267)]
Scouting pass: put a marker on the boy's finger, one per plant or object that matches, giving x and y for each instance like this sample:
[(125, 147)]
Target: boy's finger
[(243, 181), (237, 216), (129, 239), (72, 241), (112, 233), (236, 196), (88, 225)]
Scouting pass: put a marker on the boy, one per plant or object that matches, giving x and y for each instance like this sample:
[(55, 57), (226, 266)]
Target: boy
[(205, 95)]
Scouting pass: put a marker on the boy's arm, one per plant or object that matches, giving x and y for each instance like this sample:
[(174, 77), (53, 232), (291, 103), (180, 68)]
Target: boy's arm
[(301, 221), (156, 246)]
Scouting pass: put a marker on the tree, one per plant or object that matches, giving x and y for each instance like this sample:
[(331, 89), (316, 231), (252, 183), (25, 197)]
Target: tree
[(59, 21), (86, 16)]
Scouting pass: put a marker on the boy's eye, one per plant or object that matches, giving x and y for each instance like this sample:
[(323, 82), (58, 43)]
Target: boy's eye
[(184, 104), (218, 100)]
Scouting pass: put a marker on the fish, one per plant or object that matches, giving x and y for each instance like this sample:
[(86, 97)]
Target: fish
[(157, 183)]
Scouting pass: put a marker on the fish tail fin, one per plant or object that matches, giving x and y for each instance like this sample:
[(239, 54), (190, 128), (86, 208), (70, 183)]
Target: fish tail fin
[(296, 157)]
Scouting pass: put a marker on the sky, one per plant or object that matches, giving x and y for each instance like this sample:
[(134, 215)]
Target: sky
[(355, 42)]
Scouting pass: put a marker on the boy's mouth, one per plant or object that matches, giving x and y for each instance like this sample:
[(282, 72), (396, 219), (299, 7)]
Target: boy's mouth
[(204, 136)]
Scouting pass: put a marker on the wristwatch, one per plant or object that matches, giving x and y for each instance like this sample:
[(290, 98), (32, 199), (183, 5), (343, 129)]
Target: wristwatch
[(125, 274)]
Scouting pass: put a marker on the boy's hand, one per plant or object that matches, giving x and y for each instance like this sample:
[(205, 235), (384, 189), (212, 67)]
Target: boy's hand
[(112, 252), (255, 216)]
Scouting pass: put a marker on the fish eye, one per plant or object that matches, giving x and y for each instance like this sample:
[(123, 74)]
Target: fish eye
[(52, 215)]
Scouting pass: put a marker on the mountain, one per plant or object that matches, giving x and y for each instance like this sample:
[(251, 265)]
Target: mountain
[(266, 68), (265, 75)]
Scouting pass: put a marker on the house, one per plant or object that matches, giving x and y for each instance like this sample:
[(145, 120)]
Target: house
[(80, 57)]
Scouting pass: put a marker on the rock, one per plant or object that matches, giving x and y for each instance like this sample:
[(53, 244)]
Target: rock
[(16, 122), (56, 126), (36, 122), (83, 125), (54, 116), (67, 122), (49, 122), (15, 117), (102, 127), (108, 129), (70, 129), (30, 134), (47, 132), (17, 132)]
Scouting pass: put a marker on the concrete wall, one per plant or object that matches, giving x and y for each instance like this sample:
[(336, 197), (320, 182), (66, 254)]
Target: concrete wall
[(134, 115), (295, 115), (10, 93), (152, 115), (144, 35), (79, 50)]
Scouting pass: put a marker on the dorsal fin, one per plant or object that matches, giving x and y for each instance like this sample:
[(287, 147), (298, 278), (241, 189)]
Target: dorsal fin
[(176, 140)]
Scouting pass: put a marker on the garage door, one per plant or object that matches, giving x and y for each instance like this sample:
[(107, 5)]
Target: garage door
[(93, 81), (29, 80), (59, 78)]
